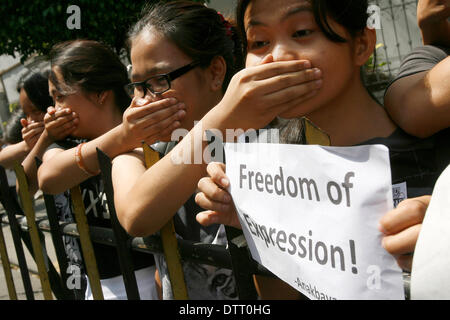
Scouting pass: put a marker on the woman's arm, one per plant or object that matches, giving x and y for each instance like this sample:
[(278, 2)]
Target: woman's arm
[(420, 103), (17, 152), (432, 18), (61, 172), (13, 153), (126, 170), (140, 123), (269, 89)]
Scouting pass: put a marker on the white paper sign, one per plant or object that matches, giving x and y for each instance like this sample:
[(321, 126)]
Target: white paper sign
[(430, 277), (310, 216)]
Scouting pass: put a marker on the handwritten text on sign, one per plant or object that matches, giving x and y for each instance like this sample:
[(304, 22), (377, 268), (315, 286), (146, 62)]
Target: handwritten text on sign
[(310, 215)]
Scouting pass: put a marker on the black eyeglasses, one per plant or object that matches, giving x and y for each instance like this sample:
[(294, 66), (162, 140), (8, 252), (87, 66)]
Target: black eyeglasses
[(157, 84)]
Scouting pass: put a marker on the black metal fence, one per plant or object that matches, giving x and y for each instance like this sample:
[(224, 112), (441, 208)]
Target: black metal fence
[(28, 229), (397, 35)]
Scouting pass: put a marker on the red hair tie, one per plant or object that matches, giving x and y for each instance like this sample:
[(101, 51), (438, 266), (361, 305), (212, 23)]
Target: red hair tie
[(227, 25)]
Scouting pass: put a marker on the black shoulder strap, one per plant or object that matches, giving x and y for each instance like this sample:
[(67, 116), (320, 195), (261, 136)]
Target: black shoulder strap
[(442, 140)]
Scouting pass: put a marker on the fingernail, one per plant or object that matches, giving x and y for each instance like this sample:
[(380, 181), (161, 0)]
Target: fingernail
[(381, 229), (225, 182), (181, 113), (307, 64), (181, 105)]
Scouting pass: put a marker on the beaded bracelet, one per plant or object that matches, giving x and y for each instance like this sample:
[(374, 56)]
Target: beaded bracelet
[(80, 162)]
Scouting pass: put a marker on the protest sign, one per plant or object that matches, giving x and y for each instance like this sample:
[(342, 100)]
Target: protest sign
[(310, 215)]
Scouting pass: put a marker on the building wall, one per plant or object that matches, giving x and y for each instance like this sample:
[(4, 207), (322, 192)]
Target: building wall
[(226, 7)]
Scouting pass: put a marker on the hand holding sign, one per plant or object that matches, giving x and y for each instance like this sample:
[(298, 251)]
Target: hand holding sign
[(214, 197), (401, 227)]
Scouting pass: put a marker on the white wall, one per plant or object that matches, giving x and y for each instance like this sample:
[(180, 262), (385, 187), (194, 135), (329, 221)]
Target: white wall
[(226, 7)]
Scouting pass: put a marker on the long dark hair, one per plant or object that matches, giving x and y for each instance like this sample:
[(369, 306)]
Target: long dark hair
[(35, 85), (198, 31), (13, 128), (92, 66)]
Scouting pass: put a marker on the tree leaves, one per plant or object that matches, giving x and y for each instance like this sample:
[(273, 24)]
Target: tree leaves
[(30, 27)]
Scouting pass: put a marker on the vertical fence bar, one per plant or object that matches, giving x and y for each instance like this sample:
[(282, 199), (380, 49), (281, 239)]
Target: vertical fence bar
[(243, 265), (7, 266), (407, 25), (169, 242), (395, 30), (12, 208), (33, 230), (86, 243), (53, 275), (123, 243), (57, 238), (384, 42)]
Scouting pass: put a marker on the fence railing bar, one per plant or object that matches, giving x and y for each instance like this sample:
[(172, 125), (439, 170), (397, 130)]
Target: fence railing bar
[(53, 275), (23, 235), (395, 30), (12, 207), (241, 262), (216, 255), (240, 256), (385, 46), (210, 254), (169, 241), (397, 5), (28, 209), (122, 245), (407, 27), (86, 243), (57, 240), (7, 267)]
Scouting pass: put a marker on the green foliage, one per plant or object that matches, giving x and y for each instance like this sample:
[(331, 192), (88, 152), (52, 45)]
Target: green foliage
[(30, 27), (371, 63), (13, 107), (375, 78)]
